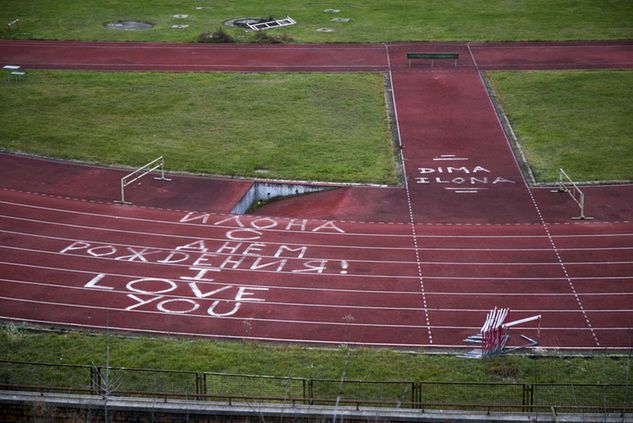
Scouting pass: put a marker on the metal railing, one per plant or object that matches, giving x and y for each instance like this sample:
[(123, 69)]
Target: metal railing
[(234, 388)]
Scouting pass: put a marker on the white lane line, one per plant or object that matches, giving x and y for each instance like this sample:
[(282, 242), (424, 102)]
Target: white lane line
[(310, 305), (197, 238), (410, 206), (201, 216), (212, 318), (371, 276), (354, 292), (155, 249), (491, 250), (266, 230), (542, 220), (25, 283), (280, 321)]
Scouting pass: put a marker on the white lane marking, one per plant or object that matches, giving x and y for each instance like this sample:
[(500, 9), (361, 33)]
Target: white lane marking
[(410, 207)]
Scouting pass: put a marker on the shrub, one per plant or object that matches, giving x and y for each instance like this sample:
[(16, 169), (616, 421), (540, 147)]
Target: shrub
[(264, 38), (219, 36)]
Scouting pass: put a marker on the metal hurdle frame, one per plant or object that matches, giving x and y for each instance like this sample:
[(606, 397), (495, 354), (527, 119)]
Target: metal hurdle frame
[(158, 163), (16, 23), (575, 193)]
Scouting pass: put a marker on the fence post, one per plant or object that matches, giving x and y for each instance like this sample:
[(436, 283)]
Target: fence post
[(95, 379), (528, 397), (201, 386), (310, 391)]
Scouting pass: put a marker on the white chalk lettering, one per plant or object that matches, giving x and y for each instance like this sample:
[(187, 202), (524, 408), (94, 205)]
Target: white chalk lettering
[(203, 260), (316, 266), (198, 246), (235, 219), (200, 276), (140, 302), (329, 225), (264, 223), (232, 263), (131, 286), (282, 249), (193, 306), (138, 255), (243, 292), (301, 224), (259, 265), (243, 235), (212, 312), (502, 180), (229, 247), (78, 245), (102, 251), (254, 250), (193, 216), (94, 281), (171, 258), (198, 293)]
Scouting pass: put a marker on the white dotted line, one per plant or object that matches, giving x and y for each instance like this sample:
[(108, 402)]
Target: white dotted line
[(363, 222), (564, 268), (419, 266)]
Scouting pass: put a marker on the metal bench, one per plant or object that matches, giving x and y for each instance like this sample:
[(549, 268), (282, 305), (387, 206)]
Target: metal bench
[(433, 57)]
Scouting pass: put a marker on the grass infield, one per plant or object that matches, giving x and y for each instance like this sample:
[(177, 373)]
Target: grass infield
[(579, 120), (19, 344), (316, 126), (371, 20)]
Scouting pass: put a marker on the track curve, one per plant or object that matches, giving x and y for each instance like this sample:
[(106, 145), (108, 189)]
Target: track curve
[(414, 267)]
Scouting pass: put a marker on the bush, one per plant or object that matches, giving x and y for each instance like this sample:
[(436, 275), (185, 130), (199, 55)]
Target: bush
[(219, 36)]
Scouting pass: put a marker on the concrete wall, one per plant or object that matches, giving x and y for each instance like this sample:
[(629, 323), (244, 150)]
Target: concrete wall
[(268, 190)]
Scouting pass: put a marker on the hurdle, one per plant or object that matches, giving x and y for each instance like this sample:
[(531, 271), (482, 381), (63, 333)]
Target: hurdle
[(14, 23), (566, 184), (158, 163), (495, 333)]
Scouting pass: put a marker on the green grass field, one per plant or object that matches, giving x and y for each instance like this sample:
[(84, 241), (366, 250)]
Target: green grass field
[(578, 121), (296, 361), (324, 127), (372, 20)]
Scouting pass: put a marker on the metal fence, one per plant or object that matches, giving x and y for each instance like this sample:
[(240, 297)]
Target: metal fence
[(232, 388)]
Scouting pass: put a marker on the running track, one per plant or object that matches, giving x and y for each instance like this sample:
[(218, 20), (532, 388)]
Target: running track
[(416, 267)]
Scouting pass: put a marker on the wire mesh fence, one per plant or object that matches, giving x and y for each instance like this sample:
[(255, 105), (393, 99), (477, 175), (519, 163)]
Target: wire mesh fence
[(272, 388), (453, 395), (390, 394), (100, 380)]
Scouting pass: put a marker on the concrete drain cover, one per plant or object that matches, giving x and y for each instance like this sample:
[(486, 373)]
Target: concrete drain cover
[(244, 22), (128, 25)]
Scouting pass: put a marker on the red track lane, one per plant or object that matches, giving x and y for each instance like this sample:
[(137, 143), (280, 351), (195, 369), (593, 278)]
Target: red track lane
[(568, 55), (381, 293), (458, 163), (193, 57), (418, 266)]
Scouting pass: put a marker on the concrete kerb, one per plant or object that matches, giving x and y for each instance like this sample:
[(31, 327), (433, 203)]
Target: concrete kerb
[(255, 411)]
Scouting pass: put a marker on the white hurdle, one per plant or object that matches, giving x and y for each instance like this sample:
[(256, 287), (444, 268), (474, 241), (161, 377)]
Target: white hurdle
[(130, 178), (566, 184), (495, 333)]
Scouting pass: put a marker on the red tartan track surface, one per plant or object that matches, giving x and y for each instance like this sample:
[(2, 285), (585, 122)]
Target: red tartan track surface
[(414, 266)]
